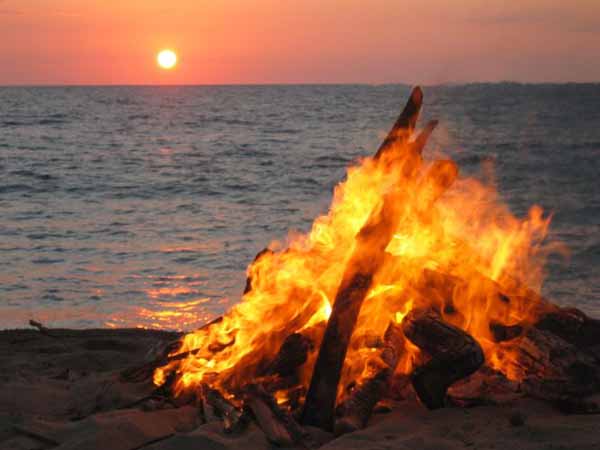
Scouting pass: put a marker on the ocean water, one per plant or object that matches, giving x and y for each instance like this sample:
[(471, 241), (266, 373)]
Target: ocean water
[(142, 206)]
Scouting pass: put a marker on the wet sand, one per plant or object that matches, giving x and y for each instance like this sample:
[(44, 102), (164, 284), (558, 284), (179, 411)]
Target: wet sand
[(62, 391)]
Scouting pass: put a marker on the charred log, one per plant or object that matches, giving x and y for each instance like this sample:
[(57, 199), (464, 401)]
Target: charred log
[(549, 367), (209, 413), (419, 144), (357, 409), (292, 354), (234, 418), (280, 428), (441, 288), (503, 333), (573, 326), (320, 399), (454, 355), (370, 245), (404, 125), (484, 387)]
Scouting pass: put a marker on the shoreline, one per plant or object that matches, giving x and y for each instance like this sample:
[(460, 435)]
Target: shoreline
[(60, 390)]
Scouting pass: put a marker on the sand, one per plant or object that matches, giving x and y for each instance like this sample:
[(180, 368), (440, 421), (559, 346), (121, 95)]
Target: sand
[(63, 392)]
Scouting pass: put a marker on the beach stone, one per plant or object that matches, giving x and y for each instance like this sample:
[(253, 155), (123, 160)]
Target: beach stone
[(211, 437), (118, 430)]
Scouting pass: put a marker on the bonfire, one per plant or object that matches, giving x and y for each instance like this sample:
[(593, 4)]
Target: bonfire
[(416, 282)]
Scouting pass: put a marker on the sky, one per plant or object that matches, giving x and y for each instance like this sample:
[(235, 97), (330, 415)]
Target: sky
[(299, 41)]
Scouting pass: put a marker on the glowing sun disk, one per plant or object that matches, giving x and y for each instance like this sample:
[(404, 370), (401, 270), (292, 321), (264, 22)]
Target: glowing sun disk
[(166, 59)]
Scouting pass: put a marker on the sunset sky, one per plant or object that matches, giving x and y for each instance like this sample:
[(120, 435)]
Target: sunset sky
[(308, 41)]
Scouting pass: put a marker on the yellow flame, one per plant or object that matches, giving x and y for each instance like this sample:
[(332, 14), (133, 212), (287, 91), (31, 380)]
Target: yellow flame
[(459, 253)]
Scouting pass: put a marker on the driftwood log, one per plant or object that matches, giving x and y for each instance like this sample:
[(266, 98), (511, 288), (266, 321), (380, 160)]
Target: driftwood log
[(454, 355), (356, 410)]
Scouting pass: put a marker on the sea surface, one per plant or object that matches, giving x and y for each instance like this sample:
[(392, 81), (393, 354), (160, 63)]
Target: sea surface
[(142, 206)]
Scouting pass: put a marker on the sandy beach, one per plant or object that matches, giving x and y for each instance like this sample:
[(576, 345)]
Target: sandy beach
[(62, 391)]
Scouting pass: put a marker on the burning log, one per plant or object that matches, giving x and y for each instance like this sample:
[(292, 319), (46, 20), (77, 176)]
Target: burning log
[(144, 372), (446, 284), (292, 354), (419, 143), (368, 256), (357, 409), (282, 372), (573, 326), (549, 367), (404, 125), (484, 387), (280, 428), (208, 412), (234, 419), (454, 355), (356, 282), (502, 333)]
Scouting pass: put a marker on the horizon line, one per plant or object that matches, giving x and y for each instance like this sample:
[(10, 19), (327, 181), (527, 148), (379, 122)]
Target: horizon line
[(446, 84)]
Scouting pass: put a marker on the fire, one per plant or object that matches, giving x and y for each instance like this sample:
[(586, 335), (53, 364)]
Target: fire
[(459, 250)]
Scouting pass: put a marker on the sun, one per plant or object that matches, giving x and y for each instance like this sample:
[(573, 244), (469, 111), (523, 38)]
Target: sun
[(166, 59)]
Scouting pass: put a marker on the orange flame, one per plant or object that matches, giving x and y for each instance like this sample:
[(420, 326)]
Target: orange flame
[(462, 252)]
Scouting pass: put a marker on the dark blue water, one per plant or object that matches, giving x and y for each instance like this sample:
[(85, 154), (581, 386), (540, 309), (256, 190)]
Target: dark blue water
[(127, 206)]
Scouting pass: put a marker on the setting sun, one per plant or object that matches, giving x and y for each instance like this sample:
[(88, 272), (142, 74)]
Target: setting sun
[(167, 59)]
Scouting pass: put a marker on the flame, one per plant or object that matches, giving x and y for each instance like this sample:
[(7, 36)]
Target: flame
[(461, 251)]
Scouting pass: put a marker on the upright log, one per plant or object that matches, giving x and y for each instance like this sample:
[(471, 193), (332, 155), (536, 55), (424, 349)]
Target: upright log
[(454, 355), (367, 257), (404, 125), (356, 282)]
